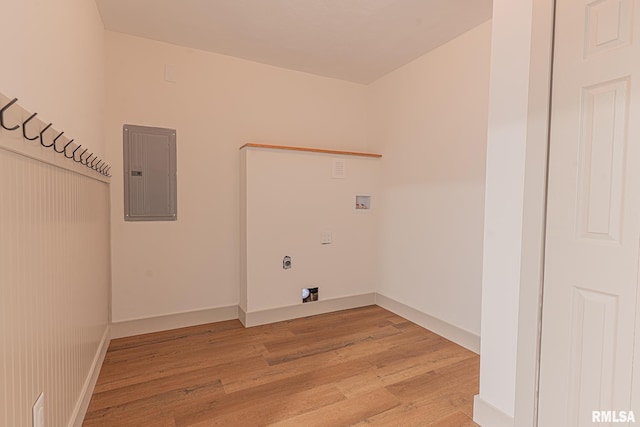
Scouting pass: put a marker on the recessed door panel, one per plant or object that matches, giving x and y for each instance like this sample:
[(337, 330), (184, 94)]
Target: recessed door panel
[(593, 216)]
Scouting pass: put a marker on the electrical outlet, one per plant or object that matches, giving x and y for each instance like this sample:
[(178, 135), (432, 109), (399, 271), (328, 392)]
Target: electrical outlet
[(326, 238), (37, 412)]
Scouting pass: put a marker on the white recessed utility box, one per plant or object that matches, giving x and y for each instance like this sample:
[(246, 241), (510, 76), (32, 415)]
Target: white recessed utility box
[(363, 203)]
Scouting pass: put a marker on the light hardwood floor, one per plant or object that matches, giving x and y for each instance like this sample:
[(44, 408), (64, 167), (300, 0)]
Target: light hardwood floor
[(364, 366)]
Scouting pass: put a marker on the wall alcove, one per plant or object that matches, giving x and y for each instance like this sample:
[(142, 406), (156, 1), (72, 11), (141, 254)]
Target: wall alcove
[(299, 203)]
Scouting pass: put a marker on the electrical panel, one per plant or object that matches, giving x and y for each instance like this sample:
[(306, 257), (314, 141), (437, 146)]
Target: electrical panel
[(150, 181)]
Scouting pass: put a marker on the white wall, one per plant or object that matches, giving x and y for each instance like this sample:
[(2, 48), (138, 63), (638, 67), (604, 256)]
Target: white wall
[(429, 120), (217, 104), (534, 208), (516, 164), (504, 203), (291, 198), (54, 223), (53, 62)]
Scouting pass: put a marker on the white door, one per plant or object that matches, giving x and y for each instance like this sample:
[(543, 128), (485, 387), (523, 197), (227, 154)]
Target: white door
[(593, 215)]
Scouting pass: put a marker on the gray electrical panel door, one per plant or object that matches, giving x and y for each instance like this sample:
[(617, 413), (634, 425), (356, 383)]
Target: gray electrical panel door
[(149, 173)]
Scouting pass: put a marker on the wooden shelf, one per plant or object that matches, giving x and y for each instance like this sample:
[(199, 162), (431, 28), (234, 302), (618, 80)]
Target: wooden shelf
[(312, 150)]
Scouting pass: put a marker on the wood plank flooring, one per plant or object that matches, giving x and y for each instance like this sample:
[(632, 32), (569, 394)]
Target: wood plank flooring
[(364, 366)]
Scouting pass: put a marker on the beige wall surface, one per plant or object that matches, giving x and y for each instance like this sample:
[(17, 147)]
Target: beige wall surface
[(429, 120), (217, 104), (53, 62)]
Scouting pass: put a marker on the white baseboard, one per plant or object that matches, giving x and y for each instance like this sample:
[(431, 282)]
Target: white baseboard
[(80, 410), (147, 325), (488, 415), (242, 316), (453, 333), (460, 336), (192, 318), (264, 317)]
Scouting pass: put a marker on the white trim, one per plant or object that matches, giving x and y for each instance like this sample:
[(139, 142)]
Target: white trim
[(451, 332), (37, 152), (242, 316), (273, 315), (33, 150), (80, 410), (534, 214), (14, 142), (488, 415), (458, 335), (166, 322)]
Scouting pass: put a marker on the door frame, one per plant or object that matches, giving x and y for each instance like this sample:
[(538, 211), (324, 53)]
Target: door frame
[(531, 285)]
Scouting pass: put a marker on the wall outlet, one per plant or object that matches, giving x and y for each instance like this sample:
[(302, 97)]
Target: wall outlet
[(286, 262), (170, 73), (37, 412)]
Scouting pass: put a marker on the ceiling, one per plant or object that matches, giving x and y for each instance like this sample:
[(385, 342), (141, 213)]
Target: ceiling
[(354, 40)]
